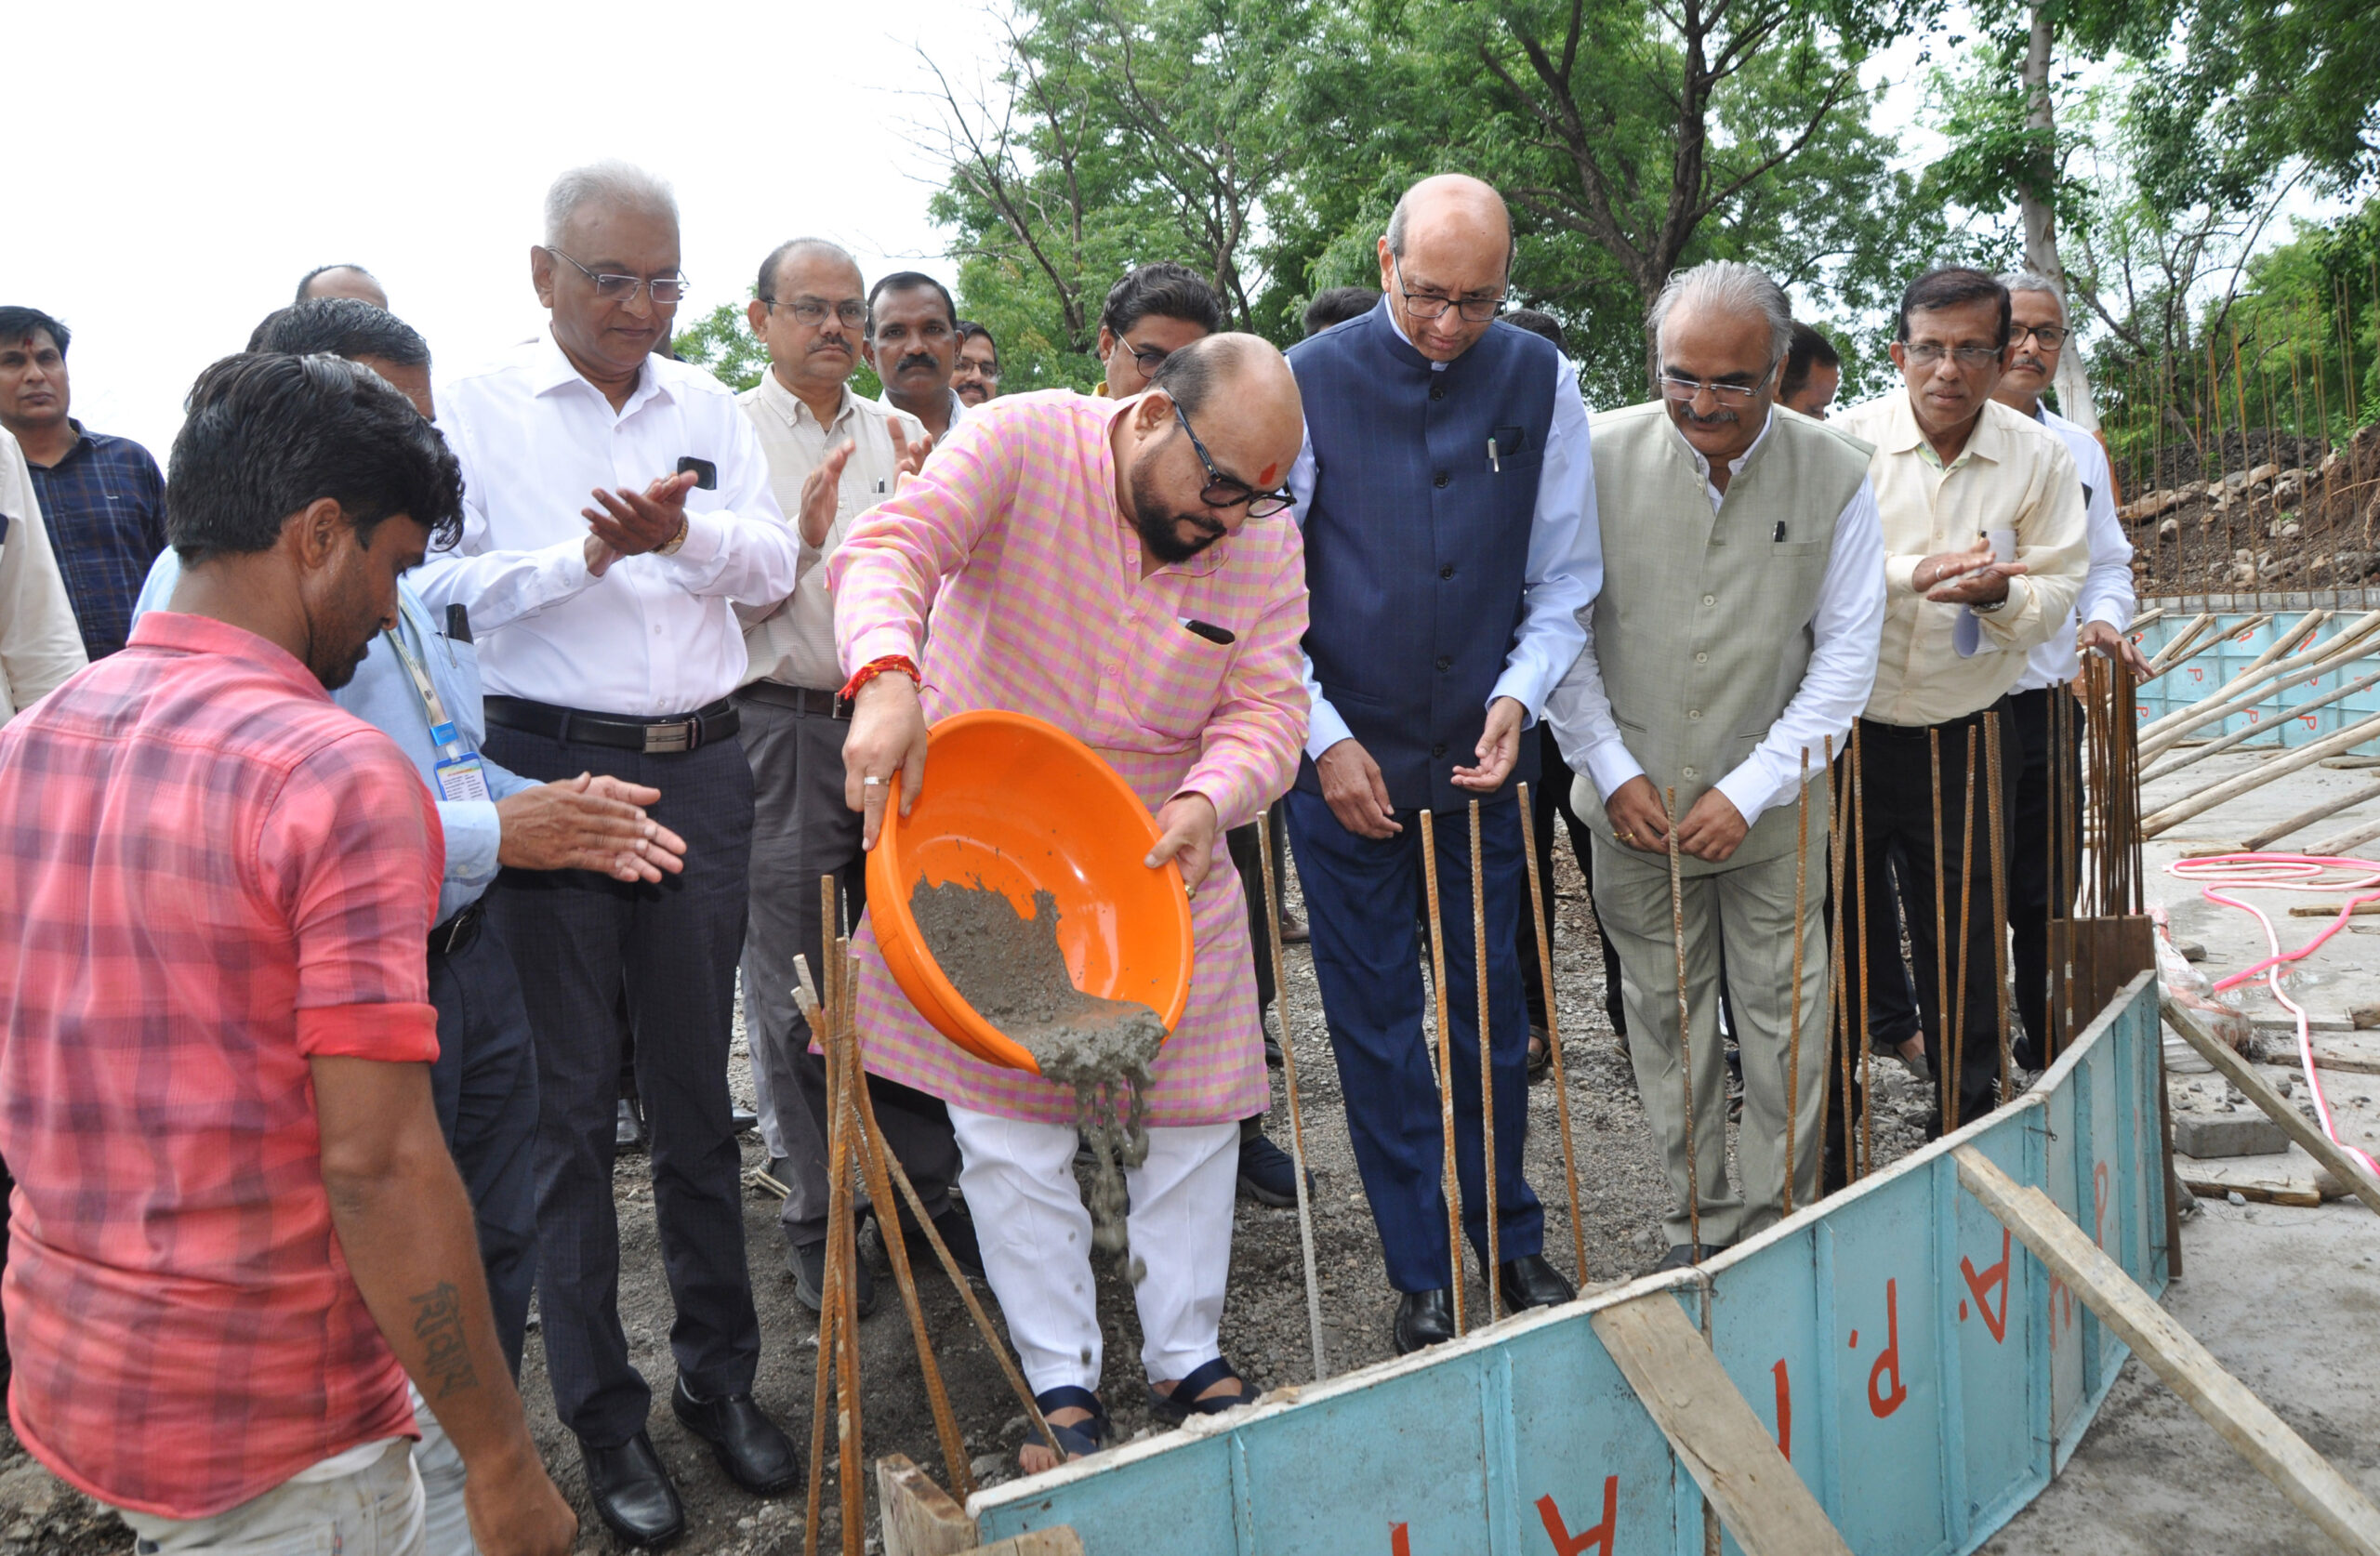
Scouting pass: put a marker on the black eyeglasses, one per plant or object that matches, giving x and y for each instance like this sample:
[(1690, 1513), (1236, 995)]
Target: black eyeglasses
[(2051, 335), (667, 291), (811, 312), (1149, 357), (1223, 491), (1429, 305)]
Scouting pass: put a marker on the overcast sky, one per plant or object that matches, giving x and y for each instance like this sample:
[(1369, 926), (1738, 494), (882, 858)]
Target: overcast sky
[(198, 160)]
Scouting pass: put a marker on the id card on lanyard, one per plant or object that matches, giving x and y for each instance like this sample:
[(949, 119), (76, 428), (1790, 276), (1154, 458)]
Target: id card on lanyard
[(458, 770)]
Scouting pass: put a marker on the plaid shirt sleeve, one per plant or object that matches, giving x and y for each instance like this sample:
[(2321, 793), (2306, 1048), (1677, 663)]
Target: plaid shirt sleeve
[(352, 850)]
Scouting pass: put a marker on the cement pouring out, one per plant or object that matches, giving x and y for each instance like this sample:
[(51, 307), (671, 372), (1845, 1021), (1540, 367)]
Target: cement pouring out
[(1009, 969)]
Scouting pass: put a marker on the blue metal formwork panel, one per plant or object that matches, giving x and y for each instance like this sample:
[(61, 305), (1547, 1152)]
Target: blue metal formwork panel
[(1919, 1368), (2216, 664)]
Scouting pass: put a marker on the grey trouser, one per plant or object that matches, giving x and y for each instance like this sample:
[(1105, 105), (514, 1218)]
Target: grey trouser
[(1749, 909), (802, 830), (376, 1511)]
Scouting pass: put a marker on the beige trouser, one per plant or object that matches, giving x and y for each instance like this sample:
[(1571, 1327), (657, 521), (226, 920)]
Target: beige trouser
[(374, 1511), (1749, 909)]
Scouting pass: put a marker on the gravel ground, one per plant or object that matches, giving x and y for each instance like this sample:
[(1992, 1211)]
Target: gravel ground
[(1265, 1328)]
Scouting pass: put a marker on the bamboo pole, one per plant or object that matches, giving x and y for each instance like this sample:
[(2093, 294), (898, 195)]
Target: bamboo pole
[(2305, 756), (2306, 818), (1290, 1084), (1446, 1061), (1487, 1070), (1539, 911), (2196, 754), (2282, 660)]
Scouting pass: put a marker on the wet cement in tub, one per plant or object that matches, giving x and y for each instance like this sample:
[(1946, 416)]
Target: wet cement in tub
[(1009, 969)]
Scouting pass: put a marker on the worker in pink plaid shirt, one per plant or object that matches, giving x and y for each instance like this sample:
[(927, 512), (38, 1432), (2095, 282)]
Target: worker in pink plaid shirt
[(1067, 545)]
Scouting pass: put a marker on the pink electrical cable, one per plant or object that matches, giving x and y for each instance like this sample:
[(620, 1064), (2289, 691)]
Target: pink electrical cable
[(2221, 873)]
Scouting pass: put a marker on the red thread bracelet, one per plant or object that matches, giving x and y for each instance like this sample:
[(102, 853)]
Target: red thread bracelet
[(875, 667)]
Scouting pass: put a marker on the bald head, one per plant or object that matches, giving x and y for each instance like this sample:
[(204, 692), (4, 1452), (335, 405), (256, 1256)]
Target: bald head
[(343, 281), (1448, 245), (1232, 394)]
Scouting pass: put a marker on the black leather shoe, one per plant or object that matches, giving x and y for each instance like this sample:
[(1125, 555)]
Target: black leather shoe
[(807, 1262), (632, 1492), (1423, 1318), (1529, 1282), (755, 1452), (627, 1130), (1267, 1173)]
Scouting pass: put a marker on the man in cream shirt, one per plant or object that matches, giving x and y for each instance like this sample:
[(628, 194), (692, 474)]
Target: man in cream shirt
[(831, 455), (1951, 466)]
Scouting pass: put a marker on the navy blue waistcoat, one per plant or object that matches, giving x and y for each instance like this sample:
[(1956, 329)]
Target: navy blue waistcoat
[(1417, 540)]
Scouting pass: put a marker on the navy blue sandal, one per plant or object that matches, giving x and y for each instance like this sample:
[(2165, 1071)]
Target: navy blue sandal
[(1083, 1437), (1178, 1404)]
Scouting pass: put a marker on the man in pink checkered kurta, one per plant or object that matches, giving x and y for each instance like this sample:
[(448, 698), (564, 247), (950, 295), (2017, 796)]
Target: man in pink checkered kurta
[(1064, 542)]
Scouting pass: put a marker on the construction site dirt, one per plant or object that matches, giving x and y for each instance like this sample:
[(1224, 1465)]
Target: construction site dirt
[(1264, 1327)]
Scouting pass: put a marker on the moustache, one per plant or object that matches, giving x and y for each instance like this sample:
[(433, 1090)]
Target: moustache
[(1716, 418), (831, 343), (916, 360), (2035, 363)]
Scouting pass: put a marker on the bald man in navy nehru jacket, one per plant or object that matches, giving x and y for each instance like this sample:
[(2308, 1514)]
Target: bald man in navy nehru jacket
[(1448, 500)]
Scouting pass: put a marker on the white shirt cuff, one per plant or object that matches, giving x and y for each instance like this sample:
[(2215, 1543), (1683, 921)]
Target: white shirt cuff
[(1324, 728), (1611, 767)]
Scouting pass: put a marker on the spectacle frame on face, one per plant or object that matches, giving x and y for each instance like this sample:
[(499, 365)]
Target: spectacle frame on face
[(810, 312), (1686, 390), (2051, 335), (1149, 357), (1223, 491), (1429, 305), (667, 291), (1926, 353)]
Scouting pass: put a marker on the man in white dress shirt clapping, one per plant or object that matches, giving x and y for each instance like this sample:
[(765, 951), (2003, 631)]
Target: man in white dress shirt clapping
[(618, 512)]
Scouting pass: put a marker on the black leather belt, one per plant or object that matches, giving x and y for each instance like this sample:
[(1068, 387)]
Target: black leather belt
[(801, 699), (457, 933), (669, 734)]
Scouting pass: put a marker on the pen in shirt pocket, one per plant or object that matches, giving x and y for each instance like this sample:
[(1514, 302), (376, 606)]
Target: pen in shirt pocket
[(1208, 630)]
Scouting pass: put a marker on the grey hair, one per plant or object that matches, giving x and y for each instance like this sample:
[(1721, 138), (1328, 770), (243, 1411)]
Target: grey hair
[(1397, 220), (609, 182), (2033, 280), (1728, 287)]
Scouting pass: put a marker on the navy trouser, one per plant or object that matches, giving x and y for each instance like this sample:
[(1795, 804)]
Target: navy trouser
[(486, 1086), (580, 941), (1363, 898)]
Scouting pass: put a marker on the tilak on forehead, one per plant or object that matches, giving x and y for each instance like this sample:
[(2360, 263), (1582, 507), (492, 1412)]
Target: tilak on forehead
[(1265, 476)]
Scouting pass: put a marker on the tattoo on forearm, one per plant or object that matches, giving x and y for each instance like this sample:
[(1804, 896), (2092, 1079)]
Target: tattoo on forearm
[(446, 1355)]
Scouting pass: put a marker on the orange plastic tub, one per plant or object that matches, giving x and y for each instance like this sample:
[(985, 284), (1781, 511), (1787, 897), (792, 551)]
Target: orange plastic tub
[(1019, 805)]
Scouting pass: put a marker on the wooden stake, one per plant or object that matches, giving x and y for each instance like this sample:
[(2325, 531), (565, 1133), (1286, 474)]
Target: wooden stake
[(1684, 1038), (1290, 1084), (1446, 1061), (1801, 901), (1542, 915), (1486, 1070), (849, 1474)]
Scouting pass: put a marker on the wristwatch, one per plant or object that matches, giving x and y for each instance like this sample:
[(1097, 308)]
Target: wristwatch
[(1988, 607), (670, 550)]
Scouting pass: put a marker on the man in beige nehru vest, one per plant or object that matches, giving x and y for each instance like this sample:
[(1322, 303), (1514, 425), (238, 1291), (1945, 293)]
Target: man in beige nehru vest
[(1743, 591)]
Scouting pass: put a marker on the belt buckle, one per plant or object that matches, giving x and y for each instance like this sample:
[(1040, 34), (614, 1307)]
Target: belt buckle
[(664, 739)]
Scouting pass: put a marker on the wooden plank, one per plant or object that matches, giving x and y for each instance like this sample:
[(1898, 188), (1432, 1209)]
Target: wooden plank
[(920, 1519), (2296, 1125), (1060, 1541), (2266, 1179), (1731, 1455), (2308, 1480), (2360, 1054)]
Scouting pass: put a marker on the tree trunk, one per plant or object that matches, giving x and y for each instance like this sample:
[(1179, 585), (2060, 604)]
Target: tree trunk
[(2073, 381)]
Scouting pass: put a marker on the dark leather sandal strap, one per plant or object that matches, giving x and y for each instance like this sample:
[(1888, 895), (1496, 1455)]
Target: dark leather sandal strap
[(1186, 1392), (1083, 1437)]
